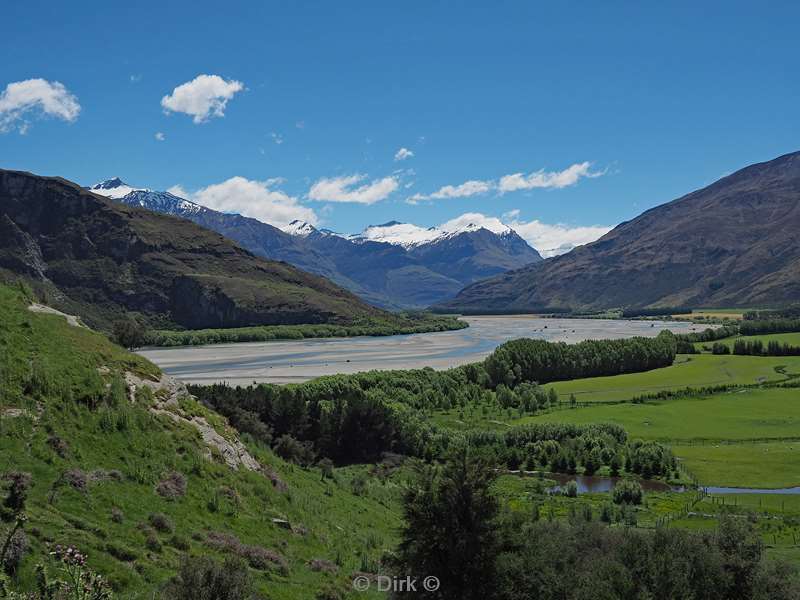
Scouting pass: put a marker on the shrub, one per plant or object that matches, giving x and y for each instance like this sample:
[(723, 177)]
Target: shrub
[(151, 542), (571, 489), (173, 486), (16, 549), (203, 578), (627, 491), (179, 542), (121, 552), (19, 484), (58, 445), (161, 522), (257, 556), (292, 450)]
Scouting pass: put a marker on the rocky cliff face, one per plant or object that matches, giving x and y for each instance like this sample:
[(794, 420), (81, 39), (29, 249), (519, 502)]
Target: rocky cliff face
[(100, 259), (733, 243)]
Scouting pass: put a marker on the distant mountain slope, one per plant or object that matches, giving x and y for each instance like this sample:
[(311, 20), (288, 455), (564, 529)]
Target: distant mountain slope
[(394, 265), (100, 259), (733, 243)]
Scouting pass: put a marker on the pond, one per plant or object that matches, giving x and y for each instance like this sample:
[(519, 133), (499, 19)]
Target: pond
[(598, 484), (299, 360)]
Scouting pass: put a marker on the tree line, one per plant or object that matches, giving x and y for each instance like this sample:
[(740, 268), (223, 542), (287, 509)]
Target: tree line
[(357, 418), (527, 359), (759, 348)]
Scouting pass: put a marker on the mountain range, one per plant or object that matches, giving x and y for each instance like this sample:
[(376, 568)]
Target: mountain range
[(100, 259), (393, 265), (733, 243)]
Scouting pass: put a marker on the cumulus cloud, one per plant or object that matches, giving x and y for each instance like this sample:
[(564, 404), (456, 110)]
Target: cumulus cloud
[(548, 239), (512, 183), (554, 239), (160, 136), (464, 190), (347, 189), (403, 154), (32, 98), (474, 219), (256, 199), (546, 179), (203, 97)]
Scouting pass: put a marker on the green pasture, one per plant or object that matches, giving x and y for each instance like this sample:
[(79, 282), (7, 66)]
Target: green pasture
[(737, 415), (687, 371)]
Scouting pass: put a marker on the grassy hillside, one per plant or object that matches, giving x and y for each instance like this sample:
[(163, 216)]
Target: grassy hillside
[(97, 462)]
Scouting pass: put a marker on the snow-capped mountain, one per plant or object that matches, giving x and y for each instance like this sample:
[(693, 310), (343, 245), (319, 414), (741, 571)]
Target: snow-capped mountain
[(300, 228), (408, 235), (113, 188), (162, 202), (393, 265)]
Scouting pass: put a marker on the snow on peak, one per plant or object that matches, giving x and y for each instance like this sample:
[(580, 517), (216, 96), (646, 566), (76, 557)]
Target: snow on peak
[(409, 235), (114, 188), (399, 234), (299, 228), (474, 222)]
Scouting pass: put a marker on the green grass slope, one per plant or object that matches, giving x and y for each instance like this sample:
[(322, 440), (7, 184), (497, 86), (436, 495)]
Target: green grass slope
[(97, 461)]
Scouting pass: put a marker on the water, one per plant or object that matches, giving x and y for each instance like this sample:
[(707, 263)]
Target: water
[(735, 490), (300, 360), (594, 484)]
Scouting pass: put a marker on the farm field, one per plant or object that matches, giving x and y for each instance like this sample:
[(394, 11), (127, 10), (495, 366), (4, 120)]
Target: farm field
[(700, 430), (761, 465), (738, 415), (687, 371), (793, 339)]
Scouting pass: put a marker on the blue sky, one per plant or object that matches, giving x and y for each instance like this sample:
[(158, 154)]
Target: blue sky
[(658, 99)]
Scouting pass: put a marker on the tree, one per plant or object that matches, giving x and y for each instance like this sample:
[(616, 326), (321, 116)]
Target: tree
[(627, 491), (449, 531), (129, 333)]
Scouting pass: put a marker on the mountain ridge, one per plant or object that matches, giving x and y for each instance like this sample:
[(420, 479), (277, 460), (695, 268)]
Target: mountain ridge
[(390, 272), (102, 260), (731, 243)]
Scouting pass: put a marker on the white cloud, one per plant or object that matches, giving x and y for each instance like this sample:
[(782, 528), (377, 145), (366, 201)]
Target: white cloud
[(346, 189), (203, 97), (32, 98), (160, 136), (464, 190), (555, 239), (475, 220), (511, 183), (403, 154), (546, 179), (277, 138), (251, 198)]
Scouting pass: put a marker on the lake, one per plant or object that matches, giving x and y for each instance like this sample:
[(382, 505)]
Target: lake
[(292, 361)]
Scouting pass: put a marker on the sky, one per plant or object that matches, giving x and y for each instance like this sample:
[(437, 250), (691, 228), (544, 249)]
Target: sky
[(561, 119)]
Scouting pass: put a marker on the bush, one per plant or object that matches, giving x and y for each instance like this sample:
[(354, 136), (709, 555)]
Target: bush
[(571, 489), (203, 578), (258, 557), (19, 484), (627, 491), (161, 522), (17, 548), (173, 486)]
